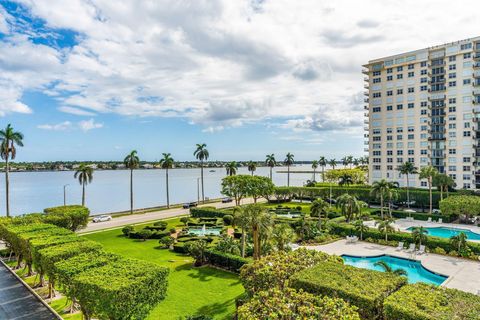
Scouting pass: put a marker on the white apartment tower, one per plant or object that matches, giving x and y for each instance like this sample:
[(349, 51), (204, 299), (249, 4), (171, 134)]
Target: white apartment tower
[(424, 107)]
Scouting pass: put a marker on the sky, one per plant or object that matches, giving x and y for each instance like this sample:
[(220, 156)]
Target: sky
[(94, 79)]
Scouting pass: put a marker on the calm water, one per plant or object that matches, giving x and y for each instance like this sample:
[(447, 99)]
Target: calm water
[(447, 232), (415, 271), (109, 191)]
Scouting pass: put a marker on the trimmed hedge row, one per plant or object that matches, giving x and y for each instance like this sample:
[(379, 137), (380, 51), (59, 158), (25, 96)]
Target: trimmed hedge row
[(417, 215), (363, 288), (425, 302), (225, 260), (207, 212), (344, 230), (74, 217)]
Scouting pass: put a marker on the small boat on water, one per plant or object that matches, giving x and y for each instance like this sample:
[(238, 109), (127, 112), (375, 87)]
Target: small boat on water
[(212, 170)]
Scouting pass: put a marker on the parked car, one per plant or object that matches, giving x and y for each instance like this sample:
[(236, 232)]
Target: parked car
[(102, 218), (227, 200), (189, 205)]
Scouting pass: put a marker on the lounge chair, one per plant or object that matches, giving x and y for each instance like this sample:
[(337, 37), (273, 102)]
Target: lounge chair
[(440, 220), (411, 248), (354, 239), (421, 250), (400, 246), (429, 219)]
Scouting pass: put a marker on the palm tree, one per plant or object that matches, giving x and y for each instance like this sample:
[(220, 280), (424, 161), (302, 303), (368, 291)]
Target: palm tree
[(201, 153), (407, 168), (240, 218), (232, 168), (349, 206), (386, 268), (252, 166), (356, 162), (360, 227), (319, 207), (391, 194), (322, 162), (332, 163), (131, 161), (9, 138), (350, 161), (271, 162), (166, 163), (443, 182), (288, 162), (282, 235), (379, 190), (84, 174), (314, 167), (385, 226), (459, 241), (419, 235), (429, 173), (345, 180), (345, 162), (259, 220)]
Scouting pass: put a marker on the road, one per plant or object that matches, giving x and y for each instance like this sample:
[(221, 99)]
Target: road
[(152, 216)]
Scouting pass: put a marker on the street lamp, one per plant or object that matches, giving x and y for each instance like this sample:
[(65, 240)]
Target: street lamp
[(65, 194)]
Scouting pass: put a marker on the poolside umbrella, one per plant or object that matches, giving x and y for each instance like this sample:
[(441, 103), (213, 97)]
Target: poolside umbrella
[(410, 211)]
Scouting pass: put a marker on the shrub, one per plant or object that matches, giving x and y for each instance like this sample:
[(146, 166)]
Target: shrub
[(145, 234), (419, 216), (76, 216), (166, 242), (172, 230), (425, 302), (209, 212), (463, 205), (276, 269), (225, 260), (363, 288), (127, 230), (228, 219), (184, 220), (276, 304), (438, 250), (161, 224)]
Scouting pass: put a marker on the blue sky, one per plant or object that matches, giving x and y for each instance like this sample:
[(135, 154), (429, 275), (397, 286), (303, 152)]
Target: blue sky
[(91, 80)]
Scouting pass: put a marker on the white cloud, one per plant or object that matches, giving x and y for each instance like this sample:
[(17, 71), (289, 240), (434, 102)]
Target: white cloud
[(56, 127), (87, 125), (221, 63)]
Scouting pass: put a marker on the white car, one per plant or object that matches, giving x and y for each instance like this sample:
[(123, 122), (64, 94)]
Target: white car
[(102, 218)]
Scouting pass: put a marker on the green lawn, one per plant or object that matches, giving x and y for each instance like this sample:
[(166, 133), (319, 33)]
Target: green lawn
[(191, 290)]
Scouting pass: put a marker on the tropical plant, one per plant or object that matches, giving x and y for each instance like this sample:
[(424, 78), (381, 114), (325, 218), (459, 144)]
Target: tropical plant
[(419, 235), (360, 227), (288, 162), (319, 208), (459, 242), (184, 220), (332, 163), (349, 206), (429, 173), (345, 180), (388, 269), (282, 234), (132, 162), (443, 182), (385, 226), (258, 220), (322, 162), (344, 162), (270, 162), (240, 219), (379, 189), (314, 167), (84, 174), (197, 250), (166, 163), (8, 139), (166, 242), (252, 167), (227, 244), (407, 168), (232, 168), (201, 153)]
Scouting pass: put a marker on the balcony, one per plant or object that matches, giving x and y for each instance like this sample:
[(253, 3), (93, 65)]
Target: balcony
[(366, 93), (366, 86), (476, 56), (365, 71), (476, 83), (366, 100), (366, 107), (366, 79), (476, 65)]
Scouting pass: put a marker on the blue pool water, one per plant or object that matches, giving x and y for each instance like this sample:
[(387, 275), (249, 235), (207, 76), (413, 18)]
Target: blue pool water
[(208, 231), (447, 232), (415, 271)]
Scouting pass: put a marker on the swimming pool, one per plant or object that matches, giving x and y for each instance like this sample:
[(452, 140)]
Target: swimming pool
[(448, 232), (415, 271)]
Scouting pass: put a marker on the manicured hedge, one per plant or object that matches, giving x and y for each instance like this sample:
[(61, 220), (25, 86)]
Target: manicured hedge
[(464, 205), (73, 217), (417, 215), (154, 235), (363, 288), (208, 212), (425, 302), (225, 260)]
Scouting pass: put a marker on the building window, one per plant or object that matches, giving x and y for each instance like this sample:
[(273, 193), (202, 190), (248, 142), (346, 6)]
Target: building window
[(467, 55), (400, 76), (467, 133), (376, 109), (452, 67), (411, 105), (389, 108), (423, 183), (399, 91), (376, 73), (452, 83), (467, 81), (377, 94), (423, 72), (411, 66), (399, 106), (411, 74), (411, 90), (389, 78), (389, 70), (423, 88), (423, 64), (466, 46), (399, 69), (389, 93), (377, 80)]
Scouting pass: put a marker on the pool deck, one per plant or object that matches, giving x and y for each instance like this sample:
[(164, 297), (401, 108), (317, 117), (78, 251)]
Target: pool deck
[(403, 225), (462, 274)]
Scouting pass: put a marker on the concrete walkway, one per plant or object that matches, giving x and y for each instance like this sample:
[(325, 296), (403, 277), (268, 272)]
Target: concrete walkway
[(462, 274), (17, 302)]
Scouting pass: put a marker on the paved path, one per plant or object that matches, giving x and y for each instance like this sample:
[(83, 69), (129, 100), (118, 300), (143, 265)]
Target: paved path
[(17, 302), (151, 216), (462, 274)]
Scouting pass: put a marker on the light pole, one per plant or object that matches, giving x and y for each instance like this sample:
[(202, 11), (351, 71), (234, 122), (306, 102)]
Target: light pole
[(65, 195), (198, 190)]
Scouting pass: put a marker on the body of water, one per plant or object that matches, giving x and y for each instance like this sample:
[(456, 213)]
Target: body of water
[(110, 189), (448, 232)]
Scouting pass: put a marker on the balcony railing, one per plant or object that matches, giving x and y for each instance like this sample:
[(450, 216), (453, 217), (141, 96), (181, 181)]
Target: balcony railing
[(365, 71)]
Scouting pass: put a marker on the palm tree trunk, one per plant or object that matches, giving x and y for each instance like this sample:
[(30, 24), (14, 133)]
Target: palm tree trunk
[(430, 191), (168, 196), (256, 244), (314, 174), (243, 242), (323, 173), (271, 174), (381, 205), (131, 191), (441, 192), (201, 175), (408, 192), (288, 176), (7, 184), (83, 193)]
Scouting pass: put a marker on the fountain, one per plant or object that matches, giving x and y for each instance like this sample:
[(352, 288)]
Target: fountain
[(204, 231)]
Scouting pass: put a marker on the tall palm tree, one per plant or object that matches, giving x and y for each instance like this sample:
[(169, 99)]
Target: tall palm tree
[(84, 174), (356, 162), (252, 167), (131, 161), (360, 227), (379, 189), (314, 167), (349, 206), (201, 153), (350, 161), (232, 168), (429, 173), (166, 163), (345, 180), (319, 207), (288, 162), (259, 220), (322, 162), (419, 235), (388, 269), (459, 242), (240, 219), (332, 163), (271, 162), (443, 182), (8, 139), (407, 168), (385, 226), (344, 162)]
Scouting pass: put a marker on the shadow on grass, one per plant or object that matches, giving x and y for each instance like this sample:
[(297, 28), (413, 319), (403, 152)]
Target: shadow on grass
[(205, 273), (217, 308)]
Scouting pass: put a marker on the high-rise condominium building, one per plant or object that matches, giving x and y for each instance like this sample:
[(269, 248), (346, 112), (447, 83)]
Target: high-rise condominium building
[(424, 107)]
